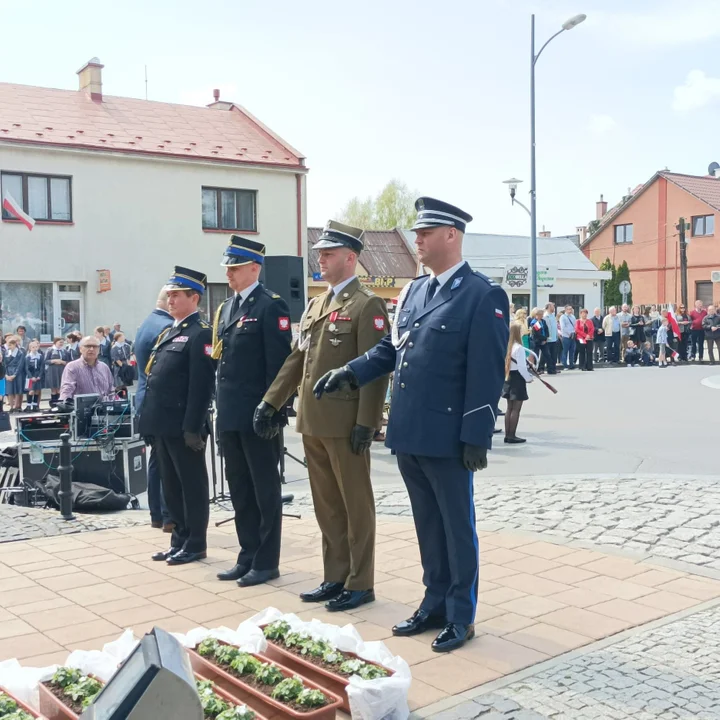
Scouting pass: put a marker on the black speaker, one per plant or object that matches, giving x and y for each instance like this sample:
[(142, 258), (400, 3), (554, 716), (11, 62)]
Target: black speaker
[(283, 274)]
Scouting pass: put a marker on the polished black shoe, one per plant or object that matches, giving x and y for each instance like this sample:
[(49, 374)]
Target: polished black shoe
[(350, 599), (184, 557), (166, 554), (234, 573), (452, 637), (156, 524), (497, 430), (326, 591), (514, 440), (258, 577), (419, 623)]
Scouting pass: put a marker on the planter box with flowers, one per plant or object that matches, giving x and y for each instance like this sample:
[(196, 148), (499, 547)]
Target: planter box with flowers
[(220, 705), (267, 686), (13, 709), (318, 660), (68, 692)]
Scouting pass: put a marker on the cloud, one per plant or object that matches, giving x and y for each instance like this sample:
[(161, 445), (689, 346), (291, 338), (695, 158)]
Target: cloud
[(601, 124), (698, 91)]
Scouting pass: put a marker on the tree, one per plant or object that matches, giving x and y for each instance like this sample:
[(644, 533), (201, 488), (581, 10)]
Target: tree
[(611, 294), (394, 206)]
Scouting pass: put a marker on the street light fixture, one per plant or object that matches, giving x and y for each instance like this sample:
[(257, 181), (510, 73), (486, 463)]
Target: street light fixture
[(567, 25), (512, 184)]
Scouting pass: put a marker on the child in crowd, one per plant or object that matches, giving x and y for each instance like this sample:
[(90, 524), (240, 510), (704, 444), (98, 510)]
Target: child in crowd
[(647, 356), (632, 354), (662, 342), (517, 377)]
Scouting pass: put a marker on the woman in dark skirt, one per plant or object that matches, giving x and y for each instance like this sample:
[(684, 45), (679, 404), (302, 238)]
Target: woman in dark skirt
[(34, 375), (517, 377), (72, 348), (55, 362), (14, 374)]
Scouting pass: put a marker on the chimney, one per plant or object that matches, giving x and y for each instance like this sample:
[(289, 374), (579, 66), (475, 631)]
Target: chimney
[(544, 233), (601, 208), (582, 233), (218, 104), (90, 76)]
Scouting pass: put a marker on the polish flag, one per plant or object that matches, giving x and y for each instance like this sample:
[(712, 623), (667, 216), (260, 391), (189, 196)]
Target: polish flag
[(673, 321), (11, 206)]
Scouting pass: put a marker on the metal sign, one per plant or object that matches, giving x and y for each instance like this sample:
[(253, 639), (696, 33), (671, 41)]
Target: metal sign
[(625, 287)]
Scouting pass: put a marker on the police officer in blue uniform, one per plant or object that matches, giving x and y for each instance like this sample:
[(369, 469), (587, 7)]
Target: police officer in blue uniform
[(252, 337), (447, 350)]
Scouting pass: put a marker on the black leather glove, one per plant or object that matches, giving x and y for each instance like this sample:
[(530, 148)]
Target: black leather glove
[(194, 441), (341, 379), (361, 439), (266, 423), (474, 457)]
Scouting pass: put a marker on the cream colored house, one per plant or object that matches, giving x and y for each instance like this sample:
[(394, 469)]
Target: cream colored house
[(124, 189)]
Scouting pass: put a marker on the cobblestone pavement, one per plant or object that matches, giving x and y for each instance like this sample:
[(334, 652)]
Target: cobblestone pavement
[(670, 672), (674, 517)]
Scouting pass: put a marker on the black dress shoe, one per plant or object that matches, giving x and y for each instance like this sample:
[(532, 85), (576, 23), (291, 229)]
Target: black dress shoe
[(452, 637), (421, 621), (326, 591), (258, 577), (156, 523), (234, 573), (514, 440), (184, 557), (350, 599), (166, 554)]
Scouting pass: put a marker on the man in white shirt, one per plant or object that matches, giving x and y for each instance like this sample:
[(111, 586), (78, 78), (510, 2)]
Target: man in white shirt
[(567, 330)]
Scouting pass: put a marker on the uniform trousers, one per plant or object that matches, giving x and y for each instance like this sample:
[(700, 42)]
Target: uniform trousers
[(442, 499), (344, 508), (251, 466), (186, 490)]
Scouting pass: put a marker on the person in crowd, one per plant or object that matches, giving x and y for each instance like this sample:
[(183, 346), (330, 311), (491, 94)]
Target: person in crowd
[(585, 334), (697, 331), (567, 331), (663, 334), (654, 315), (23, 339), (517, 376), (2, 374), (599, 336), (86, 375), (673, 338), (147, 334), (34, 375), (120, 355), (248, 364), (625, 317), (437, 459), (55, 362), (684, 322), (611, 326), (181, 368), (632, 354), (115, 329), (647, 356), (552, 342), (521, 317), (14, 373), (72, 347), (637, 326), (539, 336), (711, 325), (105, 345)]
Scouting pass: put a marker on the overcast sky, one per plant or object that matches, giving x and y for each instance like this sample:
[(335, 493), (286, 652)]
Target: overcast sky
[(435, 94)]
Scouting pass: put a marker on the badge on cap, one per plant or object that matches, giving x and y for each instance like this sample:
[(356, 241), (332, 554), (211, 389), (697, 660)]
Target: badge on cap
[(284, 323), (379, 322)]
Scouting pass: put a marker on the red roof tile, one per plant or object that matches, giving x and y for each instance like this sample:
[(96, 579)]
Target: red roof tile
[(72, 119)]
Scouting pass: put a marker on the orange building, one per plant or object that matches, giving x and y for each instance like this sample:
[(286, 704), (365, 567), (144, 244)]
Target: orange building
[(641, 229)]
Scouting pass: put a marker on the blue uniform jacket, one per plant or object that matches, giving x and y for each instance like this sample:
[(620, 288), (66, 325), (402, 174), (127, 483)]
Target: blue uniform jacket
[(449, 369), (145, 339)]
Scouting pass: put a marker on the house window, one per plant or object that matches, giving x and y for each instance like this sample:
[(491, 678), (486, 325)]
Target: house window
[(214, 295), (43, 197), (224, 209), (623, 234), (703, 225)]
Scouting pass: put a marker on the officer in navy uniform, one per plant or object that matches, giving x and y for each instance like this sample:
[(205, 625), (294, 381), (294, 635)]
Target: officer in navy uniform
[(174, 418), (447, 350), (252, 337)]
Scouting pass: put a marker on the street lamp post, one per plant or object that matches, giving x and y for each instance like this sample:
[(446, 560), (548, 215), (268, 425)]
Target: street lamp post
[(567, 25)]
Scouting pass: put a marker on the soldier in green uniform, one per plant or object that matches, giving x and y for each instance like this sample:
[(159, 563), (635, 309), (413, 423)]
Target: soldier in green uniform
[(337, 430)]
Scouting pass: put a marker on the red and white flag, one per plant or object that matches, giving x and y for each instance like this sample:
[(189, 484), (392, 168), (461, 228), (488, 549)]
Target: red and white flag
[(673, 321), (11, 206)]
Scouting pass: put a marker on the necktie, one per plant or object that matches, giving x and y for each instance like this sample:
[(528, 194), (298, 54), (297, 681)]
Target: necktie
[(236, 304), (432, 287), (328, 299)]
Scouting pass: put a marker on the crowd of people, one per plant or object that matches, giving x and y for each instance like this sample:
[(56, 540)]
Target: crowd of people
[(637, 336), (27, 368)]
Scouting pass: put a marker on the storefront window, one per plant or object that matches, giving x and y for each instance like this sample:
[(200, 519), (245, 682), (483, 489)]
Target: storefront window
[(28, 304)]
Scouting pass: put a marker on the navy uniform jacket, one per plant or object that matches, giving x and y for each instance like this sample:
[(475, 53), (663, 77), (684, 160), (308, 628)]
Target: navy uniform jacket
[(145, 339), (255, 342), (450, 369), (180, 381)]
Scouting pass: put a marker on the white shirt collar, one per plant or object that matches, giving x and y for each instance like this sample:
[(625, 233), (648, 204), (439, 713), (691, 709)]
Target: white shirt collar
[(443, 277), (341, 286), (245, 294), (177, 322)]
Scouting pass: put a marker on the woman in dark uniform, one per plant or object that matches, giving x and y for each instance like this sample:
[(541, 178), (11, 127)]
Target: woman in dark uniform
[(14, 374), (34, 375), (72, 349), (120, 355), (55, 362)]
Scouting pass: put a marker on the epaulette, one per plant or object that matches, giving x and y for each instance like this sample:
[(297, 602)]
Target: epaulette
[(203, 324), (490, 282), (272, 294), (366, 291)]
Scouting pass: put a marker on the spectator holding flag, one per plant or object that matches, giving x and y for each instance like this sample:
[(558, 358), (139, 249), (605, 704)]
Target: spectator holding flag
[(539, 333)]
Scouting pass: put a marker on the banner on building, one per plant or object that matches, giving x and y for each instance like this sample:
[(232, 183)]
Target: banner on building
[(518, 276), (104, 281)]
